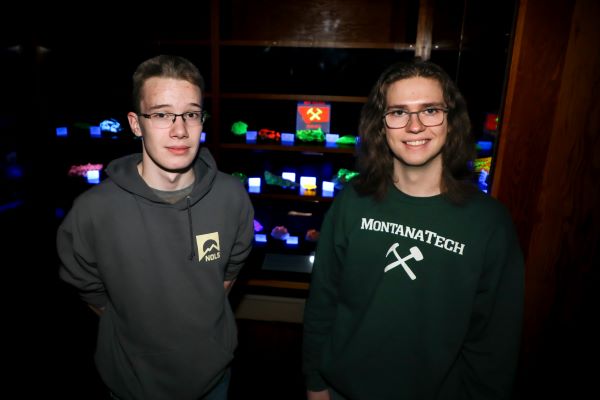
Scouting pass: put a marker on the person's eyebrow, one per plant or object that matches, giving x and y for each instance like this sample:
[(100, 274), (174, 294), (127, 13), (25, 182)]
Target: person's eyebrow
[(440, 104), (162, 106)]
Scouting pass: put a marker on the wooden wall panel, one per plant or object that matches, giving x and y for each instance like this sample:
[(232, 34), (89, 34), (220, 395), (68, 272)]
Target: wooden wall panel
[(566, 234), (548, 173), (351, 21), (534, 82), (531, 106)]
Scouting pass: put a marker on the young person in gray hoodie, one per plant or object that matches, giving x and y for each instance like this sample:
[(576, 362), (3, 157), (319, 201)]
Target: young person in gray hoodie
[(154, 248)]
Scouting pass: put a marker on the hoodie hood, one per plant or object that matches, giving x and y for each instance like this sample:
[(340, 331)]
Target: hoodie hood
[(123, 172)]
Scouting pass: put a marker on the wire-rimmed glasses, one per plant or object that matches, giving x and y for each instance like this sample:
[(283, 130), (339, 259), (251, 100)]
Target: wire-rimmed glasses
[(399, 118), (163, 120)]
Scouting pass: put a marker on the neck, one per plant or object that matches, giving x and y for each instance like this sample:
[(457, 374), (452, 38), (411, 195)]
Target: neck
[(165, 180), (418, 181)]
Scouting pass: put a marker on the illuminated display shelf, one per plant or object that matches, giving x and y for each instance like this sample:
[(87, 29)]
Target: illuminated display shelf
[(267, 56), (292, 197), (301, 148), (261, 58), (262, 93), (295, 97)]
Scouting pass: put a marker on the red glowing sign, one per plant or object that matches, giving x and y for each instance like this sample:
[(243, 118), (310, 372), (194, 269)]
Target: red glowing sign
[(313, 115)]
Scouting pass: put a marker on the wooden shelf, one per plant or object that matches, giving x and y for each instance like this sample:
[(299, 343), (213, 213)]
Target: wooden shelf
[(294, 148), (440, 45), (183, 42), (295, 97), (319, 44), (291, 197), (278, 284)]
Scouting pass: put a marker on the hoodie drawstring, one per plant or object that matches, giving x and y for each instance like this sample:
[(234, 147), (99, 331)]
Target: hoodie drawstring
[(189, 212)]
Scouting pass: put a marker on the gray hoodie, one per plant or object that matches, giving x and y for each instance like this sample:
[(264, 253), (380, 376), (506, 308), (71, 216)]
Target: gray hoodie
[(168, 331)]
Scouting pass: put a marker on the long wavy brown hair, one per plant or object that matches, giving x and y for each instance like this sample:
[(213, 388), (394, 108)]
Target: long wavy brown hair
[(375, 158)]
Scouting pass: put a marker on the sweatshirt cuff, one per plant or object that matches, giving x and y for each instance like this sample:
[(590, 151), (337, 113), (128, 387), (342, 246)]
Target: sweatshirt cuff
[(233, 271), (95, 299), (315, 382)]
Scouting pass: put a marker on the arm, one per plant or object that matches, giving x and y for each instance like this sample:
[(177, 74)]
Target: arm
[(97, 310), (243, 240), (227, 285), (77, 258), (321, 305), (491, 349), (320, 395)]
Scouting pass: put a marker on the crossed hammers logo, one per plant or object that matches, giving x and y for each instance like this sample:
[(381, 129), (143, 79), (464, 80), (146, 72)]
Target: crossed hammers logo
[(315, 113), (414, 253)]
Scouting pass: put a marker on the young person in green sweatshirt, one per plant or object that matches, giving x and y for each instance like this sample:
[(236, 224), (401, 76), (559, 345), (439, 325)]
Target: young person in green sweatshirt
[(418, 281)]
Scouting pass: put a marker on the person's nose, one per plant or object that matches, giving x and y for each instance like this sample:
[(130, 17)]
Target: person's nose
[(414, 124), (179, 128)]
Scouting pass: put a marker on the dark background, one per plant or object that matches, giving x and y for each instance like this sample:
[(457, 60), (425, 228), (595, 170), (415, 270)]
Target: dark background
[(66, 67), (72, 67)]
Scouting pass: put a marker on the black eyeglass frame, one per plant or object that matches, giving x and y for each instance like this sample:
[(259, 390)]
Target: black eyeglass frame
[(409, 113), (203, 116)]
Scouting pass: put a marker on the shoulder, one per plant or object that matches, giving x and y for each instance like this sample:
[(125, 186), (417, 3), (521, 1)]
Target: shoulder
[(229, 190), (228, 181), (93, 204), (488, 216), (483, 203), (348, 202), (97, 194), (350, 196)]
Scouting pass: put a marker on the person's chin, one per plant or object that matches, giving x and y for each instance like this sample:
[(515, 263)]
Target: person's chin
[(179, 166), (416, 162)]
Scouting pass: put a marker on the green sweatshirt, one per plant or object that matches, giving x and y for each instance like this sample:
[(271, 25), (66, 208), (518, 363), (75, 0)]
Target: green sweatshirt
[(414, 298)]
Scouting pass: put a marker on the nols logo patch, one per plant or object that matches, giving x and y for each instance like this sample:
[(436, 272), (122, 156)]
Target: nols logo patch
[(209, 248)]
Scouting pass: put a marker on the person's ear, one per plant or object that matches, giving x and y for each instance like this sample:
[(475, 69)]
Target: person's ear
[(134, 124)]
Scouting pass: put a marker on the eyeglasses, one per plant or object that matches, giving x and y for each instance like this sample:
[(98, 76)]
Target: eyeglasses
[(162, 120), (431, 116)]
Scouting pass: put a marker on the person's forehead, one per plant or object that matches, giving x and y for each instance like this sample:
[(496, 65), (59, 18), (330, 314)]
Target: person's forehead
[(165, 83), (169, 90), (415, 89)]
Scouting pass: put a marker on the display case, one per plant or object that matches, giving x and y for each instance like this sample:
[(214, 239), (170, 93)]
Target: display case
[(262, 59), (273, 57), (268, 56)]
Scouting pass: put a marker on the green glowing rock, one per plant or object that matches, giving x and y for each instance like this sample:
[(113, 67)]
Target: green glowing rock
[(346, 175), (239, 128), (243, 178), (272, 179), (343, 176), (310, 135), (348, 139)]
